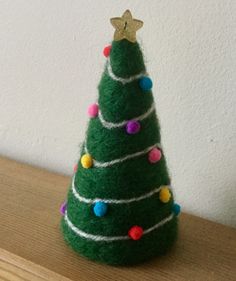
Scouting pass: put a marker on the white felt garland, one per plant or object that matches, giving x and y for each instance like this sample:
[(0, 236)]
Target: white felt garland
[(123, 80), (122, 159), (93, 237), (112, 201), (111, 125)]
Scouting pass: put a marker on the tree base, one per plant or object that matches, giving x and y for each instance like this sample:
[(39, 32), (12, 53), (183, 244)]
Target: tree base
[(126, 252)]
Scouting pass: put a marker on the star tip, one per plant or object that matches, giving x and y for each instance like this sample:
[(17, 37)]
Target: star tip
[(127, 13), (112, 20)]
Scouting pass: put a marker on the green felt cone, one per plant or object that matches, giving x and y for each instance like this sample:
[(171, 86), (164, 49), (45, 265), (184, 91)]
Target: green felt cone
[(121, 212)]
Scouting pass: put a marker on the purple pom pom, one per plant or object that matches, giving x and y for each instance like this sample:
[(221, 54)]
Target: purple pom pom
[(63, 208), (133, 127)]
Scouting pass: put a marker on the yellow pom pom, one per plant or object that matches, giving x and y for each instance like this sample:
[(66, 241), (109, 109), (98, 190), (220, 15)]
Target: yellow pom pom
[(86, 161), (164, 194)]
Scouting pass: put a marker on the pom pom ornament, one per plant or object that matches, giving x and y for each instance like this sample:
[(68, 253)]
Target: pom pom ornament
[(132, 127), (176, 209), (135, 232), (145, 84), (75, 168), (63, 208), (100, 209), (86, 161), (106, 51), (154, 155), (165, 194), (93, 110), (117, 182)]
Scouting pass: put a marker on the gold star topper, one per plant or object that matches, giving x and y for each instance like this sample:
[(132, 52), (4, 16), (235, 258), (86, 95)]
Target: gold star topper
[(126, 27)]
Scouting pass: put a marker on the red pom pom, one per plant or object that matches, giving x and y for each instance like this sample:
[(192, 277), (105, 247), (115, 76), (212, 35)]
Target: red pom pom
[(135, 232), (106, 51)]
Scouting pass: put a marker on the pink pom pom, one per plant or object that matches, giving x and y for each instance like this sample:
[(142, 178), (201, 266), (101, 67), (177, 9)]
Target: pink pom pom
[(93, 110), (154, 155), (106, 51), (75, 168)]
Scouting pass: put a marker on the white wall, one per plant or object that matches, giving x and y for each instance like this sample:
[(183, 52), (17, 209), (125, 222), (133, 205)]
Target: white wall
[(51, 62)]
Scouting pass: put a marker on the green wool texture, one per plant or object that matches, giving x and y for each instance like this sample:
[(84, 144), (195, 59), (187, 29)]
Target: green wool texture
[(125, 180)]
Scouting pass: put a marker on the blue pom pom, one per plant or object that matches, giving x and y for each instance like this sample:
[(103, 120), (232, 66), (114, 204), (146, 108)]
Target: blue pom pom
[(100, 209), (145, 83), (176, 209)]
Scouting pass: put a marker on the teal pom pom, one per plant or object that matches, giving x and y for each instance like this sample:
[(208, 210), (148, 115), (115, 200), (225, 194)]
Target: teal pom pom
[(176, 209), (145, 83), (100, 209)]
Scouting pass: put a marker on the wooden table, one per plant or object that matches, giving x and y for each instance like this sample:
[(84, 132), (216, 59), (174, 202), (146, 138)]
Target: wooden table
[(32, 247)]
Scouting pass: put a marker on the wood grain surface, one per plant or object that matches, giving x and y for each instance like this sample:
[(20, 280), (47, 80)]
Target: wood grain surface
[(15, 268), (32, 247)]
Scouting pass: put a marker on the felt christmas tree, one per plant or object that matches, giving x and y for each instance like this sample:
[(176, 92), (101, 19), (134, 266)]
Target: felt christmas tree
[(120, 208)]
